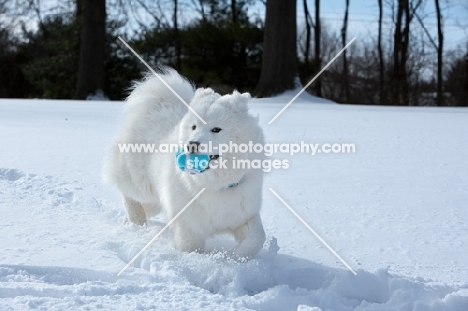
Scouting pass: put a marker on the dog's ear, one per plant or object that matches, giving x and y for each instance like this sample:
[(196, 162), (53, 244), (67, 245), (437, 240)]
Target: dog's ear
[(239, 102), (202, 93)]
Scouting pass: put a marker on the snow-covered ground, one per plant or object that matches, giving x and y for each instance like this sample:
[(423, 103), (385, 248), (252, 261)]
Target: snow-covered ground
[(396, 211)]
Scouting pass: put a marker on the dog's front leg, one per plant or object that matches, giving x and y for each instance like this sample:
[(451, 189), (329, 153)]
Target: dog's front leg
[(186, 239), (250, 237), (135, 212)]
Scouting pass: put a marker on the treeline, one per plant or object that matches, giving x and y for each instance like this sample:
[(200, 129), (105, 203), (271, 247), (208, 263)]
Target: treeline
[(74, 51)]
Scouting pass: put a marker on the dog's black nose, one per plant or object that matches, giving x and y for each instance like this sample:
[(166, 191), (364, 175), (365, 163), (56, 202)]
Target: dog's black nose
[(192, 146)]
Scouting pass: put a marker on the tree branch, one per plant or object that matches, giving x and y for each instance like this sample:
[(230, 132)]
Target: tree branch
[(431, 40)]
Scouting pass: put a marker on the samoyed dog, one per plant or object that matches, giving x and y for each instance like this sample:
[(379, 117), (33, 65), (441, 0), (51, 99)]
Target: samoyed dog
[(155, 181)]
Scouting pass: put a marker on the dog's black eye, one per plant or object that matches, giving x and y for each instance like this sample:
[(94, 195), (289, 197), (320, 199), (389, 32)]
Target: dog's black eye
[(215, 130), (194, 127)]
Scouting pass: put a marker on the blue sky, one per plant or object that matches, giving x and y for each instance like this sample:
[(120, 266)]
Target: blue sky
[(363, 17)]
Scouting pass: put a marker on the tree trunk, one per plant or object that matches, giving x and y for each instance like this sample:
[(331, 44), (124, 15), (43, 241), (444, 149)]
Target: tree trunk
[(465, 101), (404, 55), (440, 51), (279, 63), (382, 100), (318, 59), (308, 37), (92, 48), (397, 50), (344, 30)]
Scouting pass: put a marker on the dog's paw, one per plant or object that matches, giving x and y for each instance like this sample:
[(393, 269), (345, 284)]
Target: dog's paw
[(139, 221)]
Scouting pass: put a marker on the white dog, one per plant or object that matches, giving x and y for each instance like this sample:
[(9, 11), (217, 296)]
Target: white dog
[(150, 182)]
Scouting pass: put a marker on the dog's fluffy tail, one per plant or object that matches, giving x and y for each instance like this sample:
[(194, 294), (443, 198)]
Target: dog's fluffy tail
[(151, 114), (152, 98)]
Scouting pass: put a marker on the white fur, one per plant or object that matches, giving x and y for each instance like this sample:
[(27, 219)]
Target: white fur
[(151, 181)]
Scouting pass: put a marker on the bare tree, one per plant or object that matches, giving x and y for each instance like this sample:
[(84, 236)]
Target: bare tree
[(440, 53), (199, 6), (279, 64), (382, 96), (439, 47), (344, 30), (405, 12), (318, 60), (308, 37), (92, 48), (398, 52), (466, 80)]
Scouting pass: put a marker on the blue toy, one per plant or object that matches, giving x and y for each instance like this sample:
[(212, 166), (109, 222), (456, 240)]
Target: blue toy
[(193, 163)]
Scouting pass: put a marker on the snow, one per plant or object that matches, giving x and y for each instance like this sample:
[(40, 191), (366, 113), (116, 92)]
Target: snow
[(396, 211), (97, 96)]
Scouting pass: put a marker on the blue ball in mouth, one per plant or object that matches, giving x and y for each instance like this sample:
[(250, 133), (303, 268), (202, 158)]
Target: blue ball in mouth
[(191, 162)]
